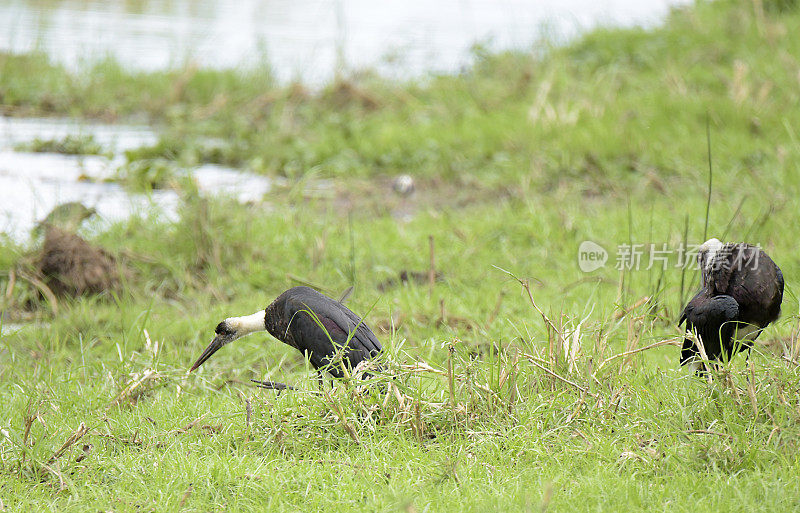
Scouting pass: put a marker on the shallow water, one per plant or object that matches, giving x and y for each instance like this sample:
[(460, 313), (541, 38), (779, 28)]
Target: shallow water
[(32, 184), (303, 39), (308, 40)]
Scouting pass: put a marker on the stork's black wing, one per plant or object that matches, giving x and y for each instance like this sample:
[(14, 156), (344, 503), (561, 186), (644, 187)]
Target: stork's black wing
[(324, 329), (749, 275), (714, 320)]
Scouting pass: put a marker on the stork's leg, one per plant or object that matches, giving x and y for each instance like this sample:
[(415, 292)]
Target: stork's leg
[(272, 385)]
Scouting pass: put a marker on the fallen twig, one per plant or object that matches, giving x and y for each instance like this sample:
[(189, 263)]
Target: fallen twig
[(527, 288), (707, 432), (12, 280), (185, 497), (533, 359), (44, 289), (188, 426), (675, 341), (74, 437), (56, 472), (135, 388), (619, 314)]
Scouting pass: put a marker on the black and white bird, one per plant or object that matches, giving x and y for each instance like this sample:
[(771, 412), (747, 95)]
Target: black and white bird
[(741, 294), (328, 333)]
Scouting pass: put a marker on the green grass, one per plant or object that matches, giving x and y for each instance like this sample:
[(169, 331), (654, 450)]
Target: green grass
[(69, 145), (517, 162)]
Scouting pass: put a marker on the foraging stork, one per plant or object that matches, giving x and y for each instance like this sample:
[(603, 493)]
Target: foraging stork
[(327, 333), (742, 293)]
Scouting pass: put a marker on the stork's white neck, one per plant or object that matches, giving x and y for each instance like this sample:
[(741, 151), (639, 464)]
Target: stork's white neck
[(709, 250), (248, 323)]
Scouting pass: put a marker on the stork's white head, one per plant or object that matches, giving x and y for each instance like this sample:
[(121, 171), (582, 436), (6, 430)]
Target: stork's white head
[(706, 253)]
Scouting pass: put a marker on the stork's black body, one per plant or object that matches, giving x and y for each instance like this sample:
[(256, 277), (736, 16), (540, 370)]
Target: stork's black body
[(289, 319), (329, 334), (742, 293)]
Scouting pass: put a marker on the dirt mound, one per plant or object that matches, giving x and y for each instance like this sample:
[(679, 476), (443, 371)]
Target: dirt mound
[(73, 267), (344, 93)]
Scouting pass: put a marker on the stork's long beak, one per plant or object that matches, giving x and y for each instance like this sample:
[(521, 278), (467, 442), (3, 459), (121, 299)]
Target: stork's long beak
[(215, 345)]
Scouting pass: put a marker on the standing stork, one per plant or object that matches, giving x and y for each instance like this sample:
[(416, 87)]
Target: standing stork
[(328, 333), (742, 293)]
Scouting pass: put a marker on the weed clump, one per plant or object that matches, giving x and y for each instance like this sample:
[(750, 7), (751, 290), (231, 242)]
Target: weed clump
[(149, 175), (206, 151), (73, 267), (70, 145), (345, 93)]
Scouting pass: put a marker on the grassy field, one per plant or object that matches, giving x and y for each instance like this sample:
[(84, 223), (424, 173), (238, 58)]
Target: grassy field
[(486, 403)]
